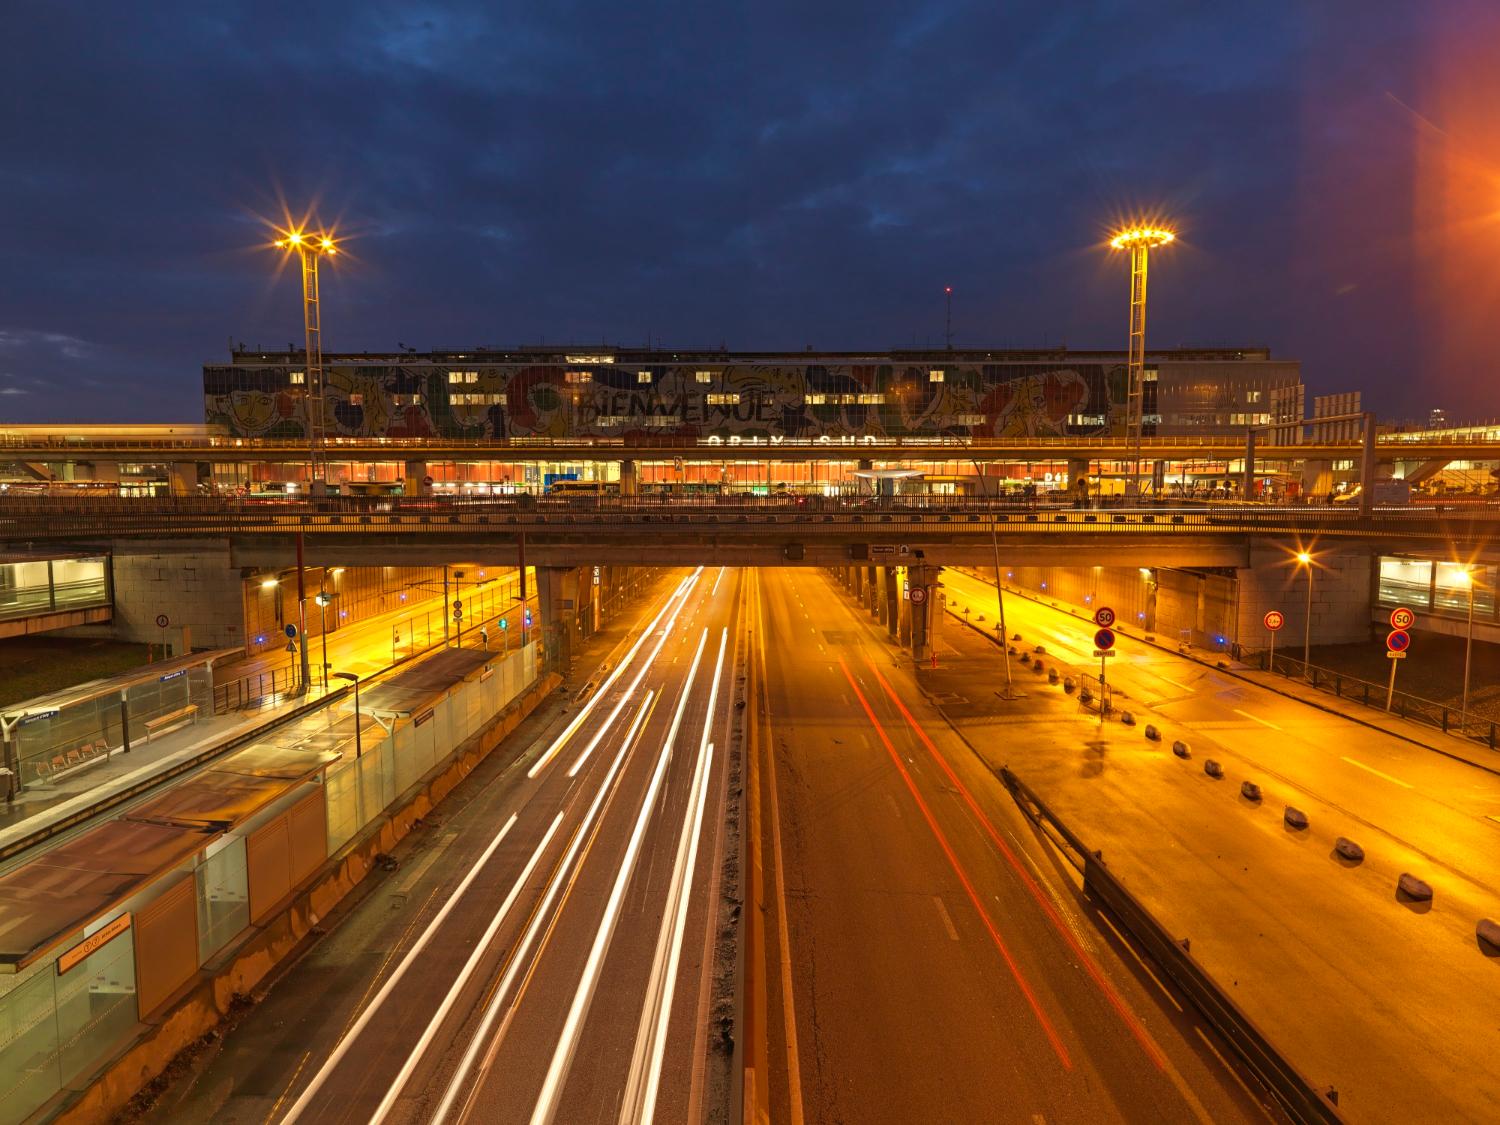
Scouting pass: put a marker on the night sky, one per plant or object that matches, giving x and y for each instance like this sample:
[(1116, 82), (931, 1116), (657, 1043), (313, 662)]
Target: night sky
[(759, 175)]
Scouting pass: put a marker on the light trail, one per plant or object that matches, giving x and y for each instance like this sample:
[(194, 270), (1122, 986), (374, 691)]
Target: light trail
[(559, 878), (395, 978), (552, 751), (656, 1011), (481, 948), (562, 1056)]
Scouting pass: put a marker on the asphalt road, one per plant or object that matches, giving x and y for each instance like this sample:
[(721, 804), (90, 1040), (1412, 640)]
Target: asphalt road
[(1386, 999), (925, 963), (548, 950)]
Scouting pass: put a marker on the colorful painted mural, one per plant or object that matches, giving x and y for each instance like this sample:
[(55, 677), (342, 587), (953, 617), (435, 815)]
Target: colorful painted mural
[(694, 400)]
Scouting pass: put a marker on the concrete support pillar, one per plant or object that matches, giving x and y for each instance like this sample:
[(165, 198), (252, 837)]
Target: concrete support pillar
[(872, 591), (629, 479), (866, 485), (858, 574), (105, 471), (1078, 470), (891, 604), (557, 598), (414, 479), (924, 578), (184, 478), (1317, 479), (1247, 484)]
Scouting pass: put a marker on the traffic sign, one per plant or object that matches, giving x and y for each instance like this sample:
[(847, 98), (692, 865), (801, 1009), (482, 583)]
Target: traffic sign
[(528, 619), (457, 604), (1103, 653), (1398, 640), (1274, 619), (1104, 617), (458, 615), (882, 550), (1402, 618), (291, 632), (918, 595), (162, 621), (1396, 655), (505, 623), (1104, 640)]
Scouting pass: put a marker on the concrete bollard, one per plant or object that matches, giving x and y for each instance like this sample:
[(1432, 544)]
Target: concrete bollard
[(1213, 769), (1127, 718), (1152, 734), (1040, 650), (1038, 667), (1085, 696), (1180, 748), (1070, 685), (1295, 818), (1026, 658), (1015, 636), (1249, 790), (1348, 849), (1489, 932), (1415, 888), (1011, 650), (1052, 676)]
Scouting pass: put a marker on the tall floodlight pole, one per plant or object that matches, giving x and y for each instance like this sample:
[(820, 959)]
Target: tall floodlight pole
[(948, 319), (309, 248), (1139, 241), (1306, 559)]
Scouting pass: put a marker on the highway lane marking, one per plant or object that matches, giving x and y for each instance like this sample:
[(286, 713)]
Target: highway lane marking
[(895, 808), (683, 588), (386, 989), (481, 948), (651, 1037), (1015, 969), (545, 1110), (943, 913), (433, 855), (1377, 773), (717, 580), (587, 828), (1259, 720), (783, 933)]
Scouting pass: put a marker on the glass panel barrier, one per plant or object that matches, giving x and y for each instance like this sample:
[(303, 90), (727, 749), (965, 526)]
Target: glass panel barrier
[(223, 895)]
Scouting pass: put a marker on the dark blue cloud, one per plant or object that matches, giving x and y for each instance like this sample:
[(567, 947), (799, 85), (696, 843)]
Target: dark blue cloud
[(763, 175)]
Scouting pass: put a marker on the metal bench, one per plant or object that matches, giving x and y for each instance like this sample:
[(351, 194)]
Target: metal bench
[(170, 720)]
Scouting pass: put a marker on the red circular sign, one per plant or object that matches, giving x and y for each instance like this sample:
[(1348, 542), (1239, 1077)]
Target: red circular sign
[(1104, 616), (427, 480), (1398, 640), (1274, 619), (1104, 640), (1402, 618)]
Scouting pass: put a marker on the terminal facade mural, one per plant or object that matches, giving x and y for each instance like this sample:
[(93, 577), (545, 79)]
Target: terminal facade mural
[(695, 399)]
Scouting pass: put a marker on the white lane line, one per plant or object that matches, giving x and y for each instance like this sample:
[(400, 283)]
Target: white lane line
[(717, 579), (629, 692), (567, 1042), (419, 1048), (947, 920), (1259, 720), (656, 1012), (539, 917), (1377, 773), (1176, 683), (558, 743), (395, 978)]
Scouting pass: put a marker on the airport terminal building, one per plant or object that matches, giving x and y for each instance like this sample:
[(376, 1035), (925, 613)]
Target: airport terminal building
[(634, 394)]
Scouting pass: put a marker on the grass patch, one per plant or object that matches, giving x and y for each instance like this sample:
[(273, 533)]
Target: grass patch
[(33, 666)]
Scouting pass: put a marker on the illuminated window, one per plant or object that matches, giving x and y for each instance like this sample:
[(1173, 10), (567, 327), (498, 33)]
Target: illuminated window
[(477, 398), (870, 399), (1148, 374), (816, 399), (935, 376), (1088, 419), (971, 420), (643, 376), (611, 420), (406, 400), (580, 376), (705, 376), (659, 422), (1252, 396), (463, 377), (297, 378), (722, 399), (356, 399)]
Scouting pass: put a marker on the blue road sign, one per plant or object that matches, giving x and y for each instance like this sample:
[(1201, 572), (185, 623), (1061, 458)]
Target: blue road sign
[(1104, 640), (1398, 640), (291, 632), (505, 623), (528, 619)]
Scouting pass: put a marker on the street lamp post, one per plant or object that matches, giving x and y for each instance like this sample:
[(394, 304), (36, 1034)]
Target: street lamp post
[(309, 248), (323, 599), (1139, 241), (1305, 559), (358, 722), (1463, 714)]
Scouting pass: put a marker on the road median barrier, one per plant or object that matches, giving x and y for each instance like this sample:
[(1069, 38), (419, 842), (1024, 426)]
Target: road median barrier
[(1287, 1086), (1180, 748), (1418, 890), (1488, 931), (1349, 850), (1294, 818), (1213, 769), (1250, 791), (1152, 734)]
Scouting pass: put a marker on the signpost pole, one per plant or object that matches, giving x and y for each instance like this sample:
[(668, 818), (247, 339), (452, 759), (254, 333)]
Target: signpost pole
[(1103, 691), (1390, 691), (1271, 663)]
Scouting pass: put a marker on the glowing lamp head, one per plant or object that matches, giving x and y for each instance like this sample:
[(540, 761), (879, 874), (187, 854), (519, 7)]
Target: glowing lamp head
[(1303, 557), (1141, 236)]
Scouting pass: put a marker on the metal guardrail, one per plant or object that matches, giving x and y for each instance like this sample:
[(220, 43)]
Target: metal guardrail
[(1297, 1096), (1447, 718)]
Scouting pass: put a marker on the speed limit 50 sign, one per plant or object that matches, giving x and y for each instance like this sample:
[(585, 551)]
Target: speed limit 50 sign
[(1402, 618)]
